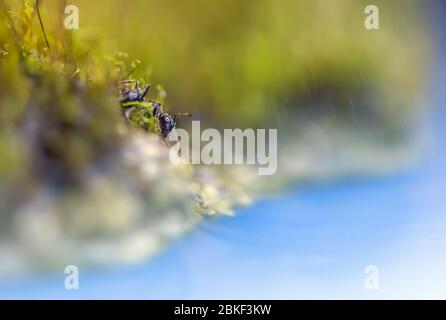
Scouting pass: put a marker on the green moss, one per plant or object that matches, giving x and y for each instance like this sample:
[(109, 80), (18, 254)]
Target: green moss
[(59, 104)]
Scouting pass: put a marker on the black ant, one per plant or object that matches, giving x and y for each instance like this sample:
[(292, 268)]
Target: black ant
[(133, 97)]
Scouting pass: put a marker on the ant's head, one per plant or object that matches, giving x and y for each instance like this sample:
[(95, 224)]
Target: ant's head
[(133, 94), (129, 95)]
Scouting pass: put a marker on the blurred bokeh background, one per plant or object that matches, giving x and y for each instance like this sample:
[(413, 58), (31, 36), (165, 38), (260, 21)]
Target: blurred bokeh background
[(240, 63), (79, 187)]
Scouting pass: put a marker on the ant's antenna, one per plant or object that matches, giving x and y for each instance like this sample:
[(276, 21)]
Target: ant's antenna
[(186, 114), (41, 24)]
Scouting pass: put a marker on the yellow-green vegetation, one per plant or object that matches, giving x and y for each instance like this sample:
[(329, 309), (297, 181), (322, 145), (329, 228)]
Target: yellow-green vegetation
[(63, 99), (45, 93)]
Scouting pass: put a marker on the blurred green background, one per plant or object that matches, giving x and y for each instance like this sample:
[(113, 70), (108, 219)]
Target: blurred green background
[(241, 62)]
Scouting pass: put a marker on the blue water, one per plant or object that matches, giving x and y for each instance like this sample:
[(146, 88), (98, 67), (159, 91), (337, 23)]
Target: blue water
[(311, 242)]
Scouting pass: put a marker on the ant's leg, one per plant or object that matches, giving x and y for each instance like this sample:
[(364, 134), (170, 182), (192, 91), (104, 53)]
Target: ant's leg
[(175, 115), (146, 90)]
